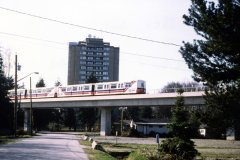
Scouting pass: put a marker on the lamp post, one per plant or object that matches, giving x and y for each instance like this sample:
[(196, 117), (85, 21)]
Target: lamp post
[(16, 100), (31, 113), (122, 109)]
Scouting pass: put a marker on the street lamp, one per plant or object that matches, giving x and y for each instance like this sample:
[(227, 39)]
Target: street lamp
[(31, 113), (16, 98), (122, 109), (27, 76)]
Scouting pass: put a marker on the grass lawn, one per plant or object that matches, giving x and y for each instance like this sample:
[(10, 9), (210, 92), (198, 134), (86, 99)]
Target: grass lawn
[(119, 149), (95, 154)]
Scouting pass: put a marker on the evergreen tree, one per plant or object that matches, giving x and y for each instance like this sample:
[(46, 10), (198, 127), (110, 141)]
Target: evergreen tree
[(6, 107), (41, 117), (41, 83), (180, 147), (215, 58)]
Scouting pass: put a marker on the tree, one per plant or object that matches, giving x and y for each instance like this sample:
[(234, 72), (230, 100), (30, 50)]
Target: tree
[(57, 83), (88, 116), (41, 83), (180, 147), (146, 112), (6, 107), (215, 57), (92, 79), (41, 117), (174, 86), (70, 118)]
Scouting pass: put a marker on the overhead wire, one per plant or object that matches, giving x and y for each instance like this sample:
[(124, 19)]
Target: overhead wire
[(89, 28), (65, 43)]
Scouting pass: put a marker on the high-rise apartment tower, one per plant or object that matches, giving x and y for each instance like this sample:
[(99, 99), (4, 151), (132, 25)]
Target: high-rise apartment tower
[(92, 56)]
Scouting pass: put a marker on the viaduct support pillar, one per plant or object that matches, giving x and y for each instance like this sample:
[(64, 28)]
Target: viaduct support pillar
[(27, 126), (105, 129)]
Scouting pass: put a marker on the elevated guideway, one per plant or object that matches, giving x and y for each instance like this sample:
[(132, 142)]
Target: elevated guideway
[(106, 103), (161, 99)]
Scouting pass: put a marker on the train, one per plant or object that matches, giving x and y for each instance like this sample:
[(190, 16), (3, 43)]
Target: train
[(91, 89)]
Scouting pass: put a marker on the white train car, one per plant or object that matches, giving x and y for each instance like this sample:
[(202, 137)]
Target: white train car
[(75, 90), (21, 93), (133, 87), (104, 88), (42, 92)]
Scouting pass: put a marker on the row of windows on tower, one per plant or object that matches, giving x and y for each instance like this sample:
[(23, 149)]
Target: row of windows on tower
[(93, 68), (100, 78), (94, 53), (94, 58), (95, 48), (96, 73), (94, 63)]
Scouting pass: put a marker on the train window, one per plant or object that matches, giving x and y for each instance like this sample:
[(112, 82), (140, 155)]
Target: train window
[(105, 86), (64, 89), (69, 89), (49, 90), (39, 91), (114, 85), (100, 87), (128, 85), (79, 88), (74, 88), (34, 91), (119, 85), (86, 88)]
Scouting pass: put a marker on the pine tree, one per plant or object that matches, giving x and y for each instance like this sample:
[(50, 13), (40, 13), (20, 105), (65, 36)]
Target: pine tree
[(215, 59), (40, 83), (180, 147)]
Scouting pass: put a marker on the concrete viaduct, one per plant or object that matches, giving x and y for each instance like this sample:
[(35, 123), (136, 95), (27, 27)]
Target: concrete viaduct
[(105, 103)]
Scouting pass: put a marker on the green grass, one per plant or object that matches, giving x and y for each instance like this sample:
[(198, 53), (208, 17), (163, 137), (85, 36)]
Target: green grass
[(6, 139), (95, 154), (142, 149)]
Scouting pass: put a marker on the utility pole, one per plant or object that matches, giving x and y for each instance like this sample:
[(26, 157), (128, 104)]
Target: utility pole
[(16, 99), (31, 112)]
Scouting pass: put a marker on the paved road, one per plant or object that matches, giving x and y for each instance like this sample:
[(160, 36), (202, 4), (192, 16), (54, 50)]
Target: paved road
[(44, 147)]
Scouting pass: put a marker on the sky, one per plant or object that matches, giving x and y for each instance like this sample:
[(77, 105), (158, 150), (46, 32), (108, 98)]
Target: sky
[(42, 45)]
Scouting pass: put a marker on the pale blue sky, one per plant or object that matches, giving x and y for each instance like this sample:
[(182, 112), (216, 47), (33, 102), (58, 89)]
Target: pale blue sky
[(151, 19)]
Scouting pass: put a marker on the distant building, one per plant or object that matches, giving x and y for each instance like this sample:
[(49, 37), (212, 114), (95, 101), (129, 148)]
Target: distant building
[(92, 56)]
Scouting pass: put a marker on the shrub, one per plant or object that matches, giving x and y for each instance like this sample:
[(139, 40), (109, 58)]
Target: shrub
[(178, 149), (136, 155)]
